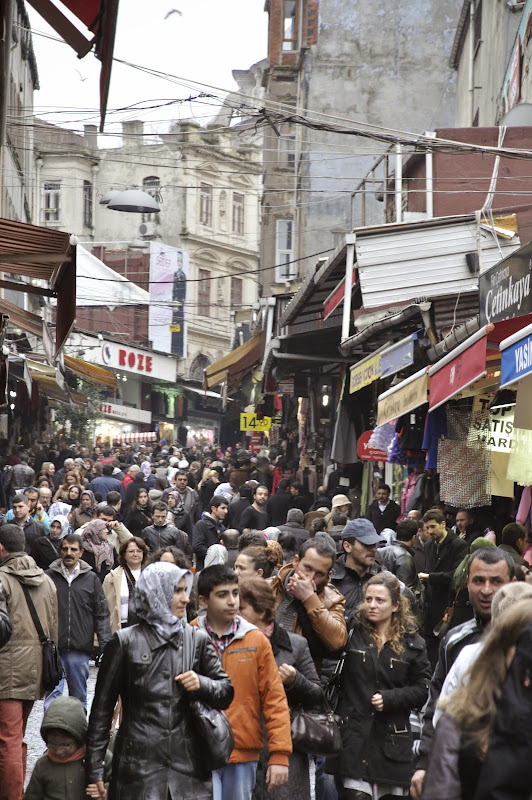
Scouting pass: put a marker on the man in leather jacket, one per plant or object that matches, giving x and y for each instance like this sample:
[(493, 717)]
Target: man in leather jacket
[(488, 570), (398, 558)]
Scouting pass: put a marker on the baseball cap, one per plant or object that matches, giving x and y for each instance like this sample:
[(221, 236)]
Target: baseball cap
[(362, 530)]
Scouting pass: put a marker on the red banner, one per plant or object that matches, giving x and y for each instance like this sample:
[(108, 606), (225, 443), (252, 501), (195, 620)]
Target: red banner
[(368, 453), (461, 371)]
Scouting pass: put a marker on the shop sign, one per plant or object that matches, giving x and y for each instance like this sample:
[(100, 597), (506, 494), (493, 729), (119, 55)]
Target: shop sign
[(457, 373), (140, 362), (368, 453), (409, 395), (397, 357), (499, 427), (125, 412), (201, 422), (251, 422), (254, 442), (516, 360), (364, 373), (286, 387), (505, 290)]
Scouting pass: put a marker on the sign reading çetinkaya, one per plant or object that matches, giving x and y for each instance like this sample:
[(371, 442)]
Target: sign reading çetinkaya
[(505, 289)]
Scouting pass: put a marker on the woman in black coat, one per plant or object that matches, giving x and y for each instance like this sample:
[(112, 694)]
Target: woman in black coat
[(138, 516), (386, 674), (152, 756), (300, 680)]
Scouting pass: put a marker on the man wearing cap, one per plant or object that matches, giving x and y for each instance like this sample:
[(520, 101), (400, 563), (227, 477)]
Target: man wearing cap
[(356, 566)]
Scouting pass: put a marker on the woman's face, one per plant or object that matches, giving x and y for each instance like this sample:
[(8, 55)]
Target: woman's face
[(86, 501), (73, 493), (133, 556), (378, 605), (51, 469), (55, 529), (167, 557), (245, 568), (208, 462), (180, 600), (44, 484), (142, 498), (104, 533), (248, 612), (172, 502), (70, 480)]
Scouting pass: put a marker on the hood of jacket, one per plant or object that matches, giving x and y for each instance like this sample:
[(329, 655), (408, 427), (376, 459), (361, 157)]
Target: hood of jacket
[(65, 714), (55, 566), (24, 568), (243, 628)]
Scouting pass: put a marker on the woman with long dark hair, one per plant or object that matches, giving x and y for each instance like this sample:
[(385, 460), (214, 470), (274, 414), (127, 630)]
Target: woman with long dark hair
[(143, 663), (138, 515), (386, 674)]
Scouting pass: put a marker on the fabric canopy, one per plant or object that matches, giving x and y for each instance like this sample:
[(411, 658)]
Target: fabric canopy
[(91, 372), (236, 364), (459, 369), (97, 284), (128, 438), (406, 396)]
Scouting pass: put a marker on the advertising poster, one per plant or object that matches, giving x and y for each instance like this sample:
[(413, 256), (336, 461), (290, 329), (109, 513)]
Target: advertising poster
[(168, 294)]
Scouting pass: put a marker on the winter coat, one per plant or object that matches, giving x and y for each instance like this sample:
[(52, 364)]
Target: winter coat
[(453, 770), (236, 509), (441, 563), (32, 531), (277, 507), (105, 568), (83, 609), (377, 745), (152, 756), (305, 692), (259, 693), (79, 517), (53, 781), (299, 532), (21, 657), (350, 584), (45, 550), (157, 536), (137, 520), (398, 559), (383, 519), (112, 588), (205, 533)]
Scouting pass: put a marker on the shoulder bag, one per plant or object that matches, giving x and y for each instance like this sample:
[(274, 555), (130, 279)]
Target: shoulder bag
[(52, 668), (315, 732), (210, 730), (444, 624), (332, 687)]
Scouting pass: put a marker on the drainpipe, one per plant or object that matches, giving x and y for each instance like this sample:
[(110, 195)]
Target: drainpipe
[(94, 171), (398, 183), (350, 240), (39, 162), (472, 8), (429, 190)]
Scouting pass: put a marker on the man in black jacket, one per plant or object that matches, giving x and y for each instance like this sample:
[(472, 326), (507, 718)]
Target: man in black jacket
[(443, 553), (398, 557), (82, 612), (294, 524), (208, 529), (383, 512), (278, 504), (160, 534), (488, 569)]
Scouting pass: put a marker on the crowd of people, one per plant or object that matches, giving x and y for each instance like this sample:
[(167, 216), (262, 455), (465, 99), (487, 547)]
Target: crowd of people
[(279, 591)]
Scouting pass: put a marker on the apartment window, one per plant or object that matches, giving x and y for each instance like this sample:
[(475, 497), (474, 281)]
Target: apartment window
[(236, 292), (284, 250), (51, 206), (87, 204), (204, 293), (290, 25), (152, 185), (286, 144), (238, 213), (205, 213)]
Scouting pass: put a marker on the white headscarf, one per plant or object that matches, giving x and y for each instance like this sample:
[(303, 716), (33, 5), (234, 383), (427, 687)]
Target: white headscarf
[(154, 591)]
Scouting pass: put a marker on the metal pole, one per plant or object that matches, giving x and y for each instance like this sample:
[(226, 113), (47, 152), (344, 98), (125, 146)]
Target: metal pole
[(429, 182), (398, 183), (348, 286)]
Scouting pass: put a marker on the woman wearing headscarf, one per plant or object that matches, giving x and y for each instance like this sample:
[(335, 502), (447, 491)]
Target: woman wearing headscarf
[(152, 758), (85, 511), (97, 551), (45, 549), (458, 594)]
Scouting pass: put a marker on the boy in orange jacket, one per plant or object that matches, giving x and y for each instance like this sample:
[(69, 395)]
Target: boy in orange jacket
[(247, 657)]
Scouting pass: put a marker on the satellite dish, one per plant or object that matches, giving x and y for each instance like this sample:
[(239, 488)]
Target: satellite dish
[(520, 116)]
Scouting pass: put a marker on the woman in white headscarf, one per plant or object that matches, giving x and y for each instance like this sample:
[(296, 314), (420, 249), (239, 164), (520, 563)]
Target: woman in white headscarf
[(143, 664)]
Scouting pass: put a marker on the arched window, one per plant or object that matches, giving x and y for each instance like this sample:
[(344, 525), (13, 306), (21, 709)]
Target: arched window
[(152, 185), (200, 363)]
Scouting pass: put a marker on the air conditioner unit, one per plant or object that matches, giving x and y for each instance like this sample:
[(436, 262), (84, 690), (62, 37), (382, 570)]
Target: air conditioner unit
[(148, 229)]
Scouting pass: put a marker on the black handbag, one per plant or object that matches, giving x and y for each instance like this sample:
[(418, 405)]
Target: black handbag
[(210, 730), (315, 732), (52, 668), (332, 687)]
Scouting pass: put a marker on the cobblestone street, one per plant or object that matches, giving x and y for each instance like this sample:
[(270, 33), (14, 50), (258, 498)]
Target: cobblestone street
[(36, 746)]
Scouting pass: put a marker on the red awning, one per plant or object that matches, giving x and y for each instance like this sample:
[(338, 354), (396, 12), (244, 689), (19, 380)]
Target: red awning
[(99, 17), (460, 368)]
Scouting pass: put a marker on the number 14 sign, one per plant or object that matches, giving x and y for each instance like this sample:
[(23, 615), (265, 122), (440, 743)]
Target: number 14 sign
[(250, 422)]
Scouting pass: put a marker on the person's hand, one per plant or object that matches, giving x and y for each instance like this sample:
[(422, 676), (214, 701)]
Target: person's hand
[(276, 776), (377, 702), (97, 790), (189, 681), (288, 674), (39, 509), (112, 524), (416, 784), (423, 576), (301, 588)]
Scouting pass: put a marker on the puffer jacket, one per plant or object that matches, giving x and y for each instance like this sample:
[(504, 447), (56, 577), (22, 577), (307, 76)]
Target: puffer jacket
[(377, 745), (21, 657), (152, 756)]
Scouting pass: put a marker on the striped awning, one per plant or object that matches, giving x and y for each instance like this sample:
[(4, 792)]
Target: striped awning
[(129, 438), (91, 372)]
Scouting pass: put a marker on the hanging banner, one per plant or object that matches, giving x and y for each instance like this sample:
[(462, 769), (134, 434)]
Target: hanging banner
[(168, 294), (404, 397), (516, 357), (364, 373), (453, 374)]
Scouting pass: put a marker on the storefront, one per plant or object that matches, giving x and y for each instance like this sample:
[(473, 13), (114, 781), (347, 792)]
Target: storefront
[(116, 420)]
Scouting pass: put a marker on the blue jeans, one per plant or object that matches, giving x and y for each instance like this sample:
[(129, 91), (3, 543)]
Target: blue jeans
[(76, 672), (234, 782)]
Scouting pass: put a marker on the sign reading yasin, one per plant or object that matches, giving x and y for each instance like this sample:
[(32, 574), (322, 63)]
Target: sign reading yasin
[(403, 399), (364, 373)]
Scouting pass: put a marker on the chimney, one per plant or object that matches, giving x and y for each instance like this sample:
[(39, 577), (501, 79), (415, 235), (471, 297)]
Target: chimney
[(90, 134), (132, 132)]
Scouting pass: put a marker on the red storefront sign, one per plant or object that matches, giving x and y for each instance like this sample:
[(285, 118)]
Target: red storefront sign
[(368, 453), (457, 373)]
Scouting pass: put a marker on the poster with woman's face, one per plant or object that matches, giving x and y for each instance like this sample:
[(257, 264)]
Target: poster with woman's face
[(168, 294)]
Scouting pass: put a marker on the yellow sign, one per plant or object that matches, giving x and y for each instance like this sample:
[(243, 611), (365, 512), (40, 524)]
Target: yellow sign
[(364, 373), (175, 328), (250, 422), (403, 400)]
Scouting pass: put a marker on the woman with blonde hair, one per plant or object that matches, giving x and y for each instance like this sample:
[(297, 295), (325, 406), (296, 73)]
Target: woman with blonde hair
[(463, 731), (385, 676)]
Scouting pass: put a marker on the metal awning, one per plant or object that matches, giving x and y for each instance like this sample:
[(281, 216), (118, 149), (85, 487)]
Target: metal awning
[(25, 320), (236, 364)]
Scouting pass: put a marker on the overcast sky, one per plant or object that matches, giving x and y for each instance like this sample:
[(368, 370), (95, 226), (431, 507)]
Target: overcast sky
[(204, 42)]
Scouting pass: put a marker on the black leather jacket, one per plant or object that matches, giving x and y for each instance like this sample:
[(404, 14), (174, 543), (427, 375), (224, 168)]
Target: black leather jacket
[(151, 756)]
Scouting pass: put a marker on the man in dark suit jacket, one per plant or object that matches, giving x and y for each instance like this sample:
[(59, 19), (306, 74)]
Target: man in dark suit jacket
[(383, 512)]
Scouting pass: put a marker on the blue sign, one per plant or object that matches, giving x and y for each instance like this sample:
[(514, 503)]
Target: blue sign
[(516, 361), (397, 357)]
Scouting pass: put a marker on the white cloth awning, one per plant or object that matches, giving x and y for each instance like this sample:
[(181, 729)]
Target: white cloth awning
[(97, 284), (129, 438)]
